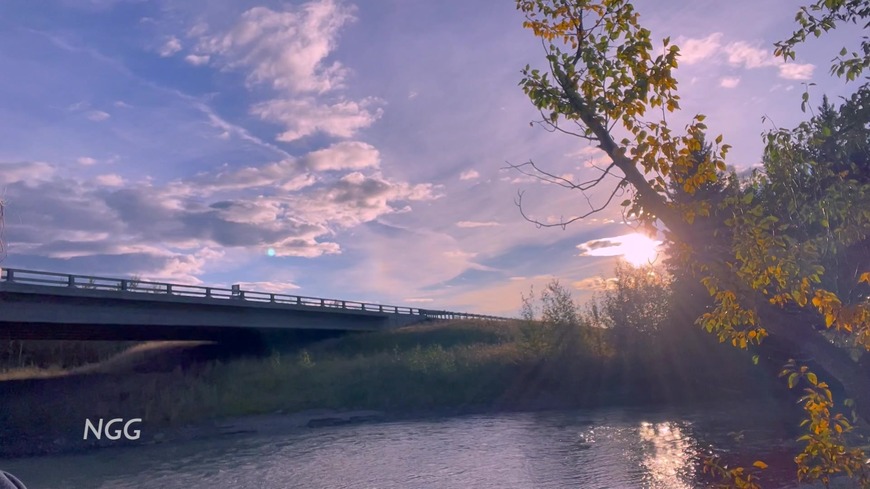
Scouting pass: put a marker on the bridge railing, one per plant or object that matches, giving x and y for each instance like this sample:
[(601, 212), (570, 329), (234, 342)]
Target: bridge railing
[(135, 286)]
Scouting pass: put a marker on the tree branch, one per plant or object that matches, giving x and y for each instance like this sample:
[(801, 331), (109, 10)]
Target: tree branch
[(562, 222)]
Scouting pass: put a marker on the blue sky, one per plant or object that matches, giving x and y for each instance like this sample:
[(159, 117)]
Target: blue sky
[(362, 142)]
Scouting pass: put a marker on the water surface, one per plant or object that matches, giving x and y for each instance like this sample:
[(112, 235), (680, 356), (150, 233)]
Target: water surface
[(601, 449)]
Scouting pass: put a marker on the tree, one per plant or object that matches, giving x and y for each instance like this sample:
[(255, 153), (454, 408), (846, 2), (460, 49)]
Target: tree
[(602, 79), (558, 317), (638, 305)]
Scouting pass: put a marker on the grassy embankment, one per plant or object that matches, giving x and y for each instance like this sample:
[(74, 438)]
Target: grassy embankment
[(445, 366)]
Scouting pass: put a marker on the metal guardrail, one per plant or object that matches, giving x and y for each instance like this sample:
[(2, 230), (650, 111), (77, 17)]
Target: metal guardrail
[(87, 282)]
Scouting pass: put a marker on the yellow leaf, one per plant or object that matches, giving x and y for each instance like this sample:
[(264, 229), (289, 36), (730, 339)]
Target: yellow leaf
[(865, 277), (761, 465), (829, 320)]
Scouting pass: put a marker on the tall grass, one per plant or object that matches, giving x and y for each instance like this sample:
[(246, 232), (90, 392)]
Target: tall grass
[(455, 365)]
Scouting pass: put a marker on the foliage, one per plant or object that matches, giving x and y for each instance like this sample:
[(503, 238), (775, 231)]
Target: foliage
[(823, 16), (534, 334), (738, 477), (639, 304), (763, 249), (825, 453), (557, 305)]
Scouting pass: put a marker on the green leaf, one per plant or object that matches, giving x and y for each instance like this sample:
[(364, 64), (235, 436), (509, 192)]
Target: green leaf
[(793, 380), (755, 359)]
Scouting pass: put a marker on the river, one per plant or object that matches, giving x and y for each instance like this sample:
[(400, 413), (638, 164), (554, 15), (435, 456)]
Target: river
[(601, 449)]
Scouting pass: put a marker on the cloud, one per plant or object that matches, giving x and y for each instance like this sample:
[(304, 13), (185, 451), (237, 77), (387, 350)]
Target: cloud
[(98, 115), (286, 50), (197, 60), (110, 180), (86, 161), (476, 224), (796, 71), (595, 283), (695, 50), (27, 171), (739, 53), (278, 205), (346, 155), (591, 248), (418, 299), (284, 174), (729, 82), (749, 56), (636, 248), (742, 53), (469, 175), (304, 117), (170, 47), (356, 198)]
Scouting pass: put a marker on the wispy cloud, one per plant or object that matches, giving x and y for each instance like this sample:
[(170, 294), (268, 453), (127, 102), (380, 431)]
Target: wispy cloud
[(285, 49), (86, 161), (306, 116), (595, 283), (98, 115), (476, 224), (197, 60), (170, 47), (796, 71), (110, 180), (695, 50), (469, 175), (743, 54), (288, 51), (729, 82), (345, 155), (752, 56)]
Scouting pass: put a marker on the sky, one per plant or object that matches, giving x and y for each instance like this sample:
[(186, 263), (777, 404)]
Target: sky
[(342, 149)]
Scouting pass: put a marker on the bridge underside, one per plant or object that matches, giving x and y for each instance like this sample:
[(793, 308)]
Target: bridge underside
[(126, 332)]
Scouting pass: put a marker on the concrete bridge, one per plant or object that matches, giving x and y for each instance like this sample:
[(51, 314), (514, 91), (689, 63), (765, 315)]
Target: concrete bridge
[(47, 305)]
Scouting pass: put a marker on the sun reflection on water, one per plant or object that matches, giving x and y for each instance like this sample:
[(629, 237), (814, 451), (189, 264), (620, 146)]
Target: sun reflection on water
[(668, 456)]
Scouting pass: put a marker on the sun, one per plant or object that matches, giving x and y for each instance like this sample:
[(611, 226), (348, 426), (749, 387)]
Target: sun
[(639, 250)]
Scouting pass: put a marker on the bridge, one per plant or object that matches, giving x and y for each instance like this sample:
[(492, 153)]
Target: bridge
[(48, 305)]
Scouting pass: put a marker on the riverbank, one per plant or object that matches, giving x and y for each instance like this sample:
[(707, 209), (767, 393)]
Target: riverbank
[(453, 367)]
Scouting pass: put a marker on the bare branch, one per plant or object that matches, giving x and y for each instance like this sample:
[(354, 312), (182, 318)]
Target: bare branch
[(518, 201), (548, 177), (551, 127)]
